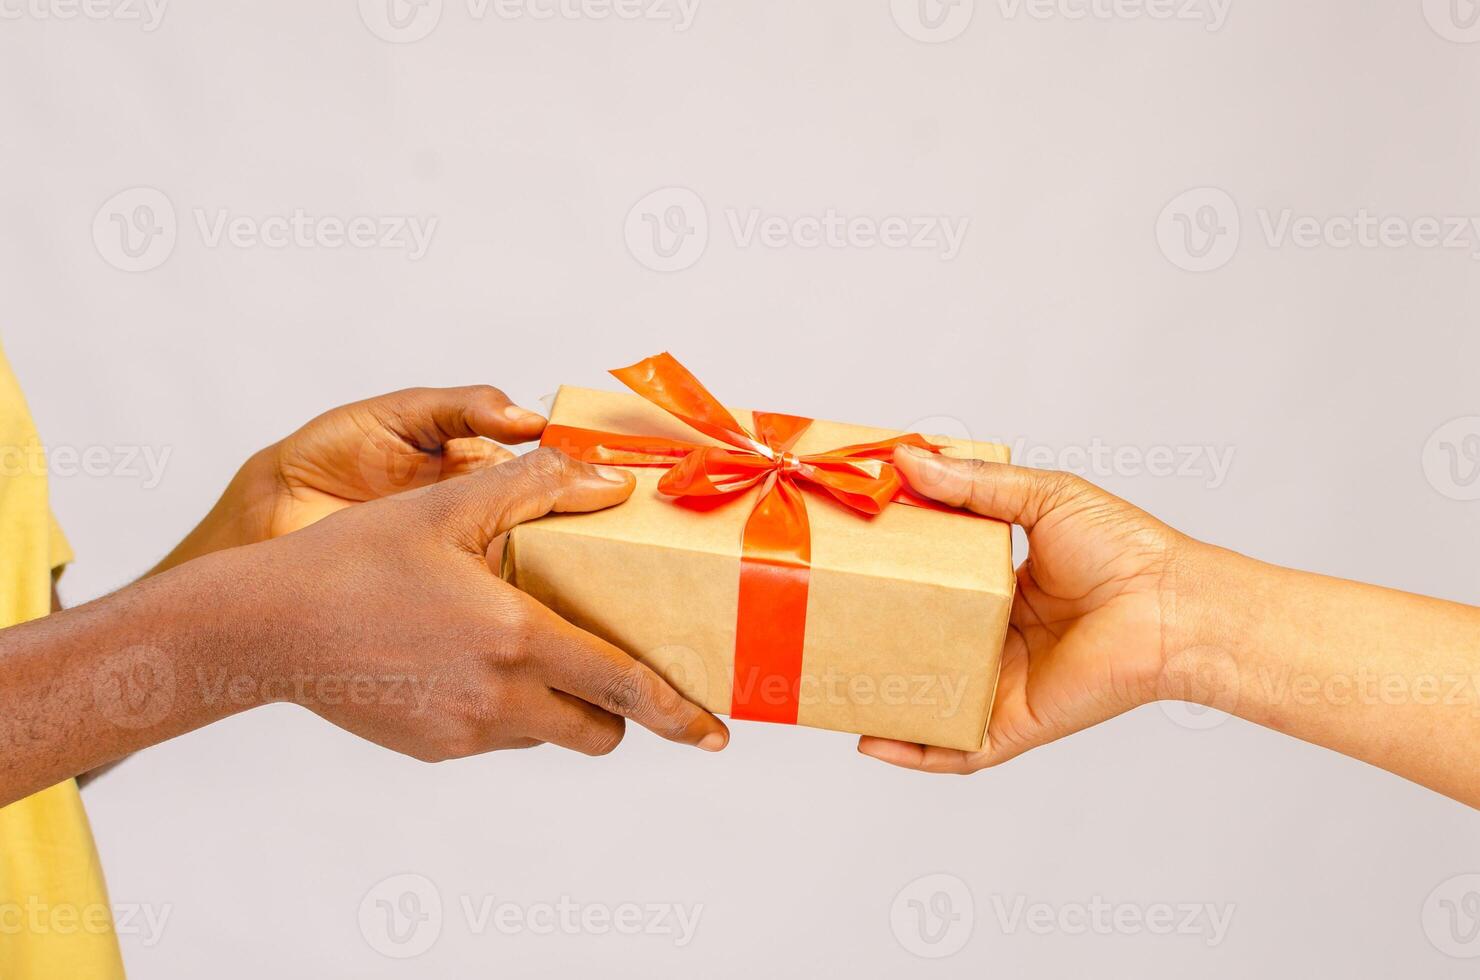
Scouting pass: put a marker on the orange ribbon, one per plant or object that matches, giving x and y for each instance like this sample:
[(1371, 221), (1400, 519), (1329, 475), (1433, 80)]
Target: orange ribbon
[(776, 548)]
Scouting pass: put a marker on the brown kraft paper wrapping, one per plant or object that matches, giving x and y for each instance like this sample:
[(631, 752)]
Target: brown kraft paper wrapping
[(906, 611)]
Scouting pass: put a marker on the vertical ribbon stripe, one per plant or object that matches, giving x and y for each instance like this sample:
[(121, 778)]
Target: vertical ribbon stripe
[(771, 618)]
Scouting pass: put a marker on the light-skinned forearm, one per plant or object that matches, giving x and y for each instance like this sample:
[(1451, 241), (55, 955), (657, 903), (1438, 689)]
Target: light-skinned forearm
[(1380, 675)]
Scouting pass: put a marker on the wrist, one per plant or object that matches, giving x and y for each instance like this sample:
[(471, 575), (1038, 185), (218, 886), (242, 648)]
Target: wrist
[(254, 616), (1208, 615), (195, 639), (242, 515), (254, 495)]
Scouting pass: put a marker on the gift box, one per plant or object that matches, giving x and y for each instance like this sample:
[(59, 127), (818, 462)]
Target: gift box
[(767, 573)]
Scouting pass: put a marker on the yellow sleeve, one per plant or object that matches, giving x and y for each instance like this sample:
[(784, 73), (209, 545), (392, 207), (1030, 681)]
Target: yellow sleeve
[(48, 861), (61, 550)]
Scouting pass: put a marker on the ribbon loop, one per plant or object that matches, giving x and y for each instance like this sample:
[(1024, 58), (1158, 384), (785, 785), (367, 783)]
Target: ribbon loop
[(669, 385), (776, 547)]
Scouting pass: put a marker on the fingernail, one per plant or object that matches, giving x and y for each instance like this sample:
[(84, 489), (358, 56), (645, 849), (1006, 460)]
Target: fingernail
[(516, 414), (713, 742), (610, 475), (922, 455)]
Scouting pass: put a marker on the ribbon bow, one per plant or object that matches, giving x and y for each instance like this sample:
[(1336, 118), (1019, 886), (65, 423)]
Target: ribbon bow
[(776, 547)]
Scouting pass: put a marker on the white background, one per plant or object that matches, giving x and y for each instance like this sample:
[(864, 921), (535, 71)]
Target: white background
[(1062, 321)]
